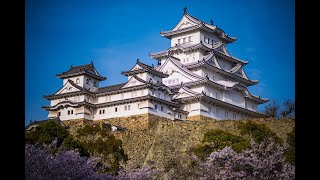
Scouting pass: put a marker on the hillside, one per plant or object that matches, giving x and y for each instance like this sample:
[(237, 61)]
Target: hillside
[(167, 143)]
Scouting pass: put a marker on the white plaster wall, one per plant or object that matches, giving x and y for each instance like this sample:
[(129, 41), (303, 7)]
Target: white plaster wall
[(186, 58), (214, 92), (176, 78), (217, 112), (111, 113), (251, 105), (234, 97), (153, 77), (91, 83), (77, 113), (213, 76), (52, 114), (195, 38), (210, 36)]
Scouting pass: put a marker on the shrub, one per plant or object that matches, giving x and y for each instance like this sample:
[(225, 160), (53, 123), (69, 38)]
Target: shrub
[(105, 146), (70, 143), (91, 130), (259, 132), (217, 139), (291, 152), (46, 132)]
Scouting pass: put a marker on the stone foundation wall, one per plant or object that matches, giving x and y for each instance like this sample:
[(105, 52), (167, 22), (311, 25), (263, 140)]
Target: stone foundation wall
[(170, 140), (153, 140)]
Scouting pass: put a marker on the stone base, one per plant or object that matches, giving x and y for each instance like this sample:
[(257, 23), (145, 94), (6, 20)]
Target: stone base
[(142, 121), (199, 118)]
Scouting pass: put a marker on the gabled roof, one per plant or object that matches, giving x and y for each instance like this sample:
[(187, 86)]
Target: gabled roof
[(87, 69), (196, 24), (189, 46), (184, 90), (141, 67), (81, 90), (177, 63), (217, 67)]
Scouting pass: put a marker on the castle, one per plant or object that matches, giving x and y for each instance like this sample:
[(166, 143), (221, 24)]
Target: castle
[(195, 76)]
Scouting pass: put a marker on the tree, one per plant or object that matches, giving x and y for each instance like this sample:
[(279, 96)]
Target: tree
[(263, 161), (288, 108), (272, 109), (40, 163), (217, 139), (259, 132)]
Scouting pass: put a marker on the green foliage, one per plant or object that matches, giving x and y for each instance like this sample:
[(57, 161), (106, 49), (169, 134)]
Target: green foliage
[(105, 146), (46, 132), (92, 130), (291, 152), (217, 139), (70, 143), (90, 140), (259, 132)]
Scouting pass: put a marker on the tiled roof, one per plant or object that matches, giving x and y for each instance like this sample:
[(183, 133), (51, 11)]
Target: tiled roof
[(82, 69), (110, 88)]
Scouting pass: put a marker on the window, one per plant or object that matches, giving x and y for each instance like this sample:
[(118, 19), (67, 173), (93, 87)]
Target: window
[(99, 111), (184, 40), (77, 81), (125, 108), (115, 109), (212, 42), (59, 113), (226, 114), (158, 94), (234, 116), (213, 78), (87, 81), (70, 112), (155, 106), (95, 84), (180, 117), (178, 41), (161, 108), (189, 38), (128, 107), (103, 111)]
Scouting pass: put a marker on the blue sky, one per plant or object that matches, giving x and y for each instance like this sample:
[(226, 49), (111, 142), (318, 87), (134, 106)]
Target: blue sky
[(113, 34)]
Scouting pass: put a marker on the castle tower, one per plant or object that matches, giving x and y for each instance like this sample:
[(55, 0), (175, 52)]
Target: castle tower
[(209, 80)]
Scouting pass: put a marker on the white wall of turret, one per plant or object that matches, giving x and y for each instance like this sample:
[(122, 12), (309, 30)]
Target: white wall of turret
[(219, 112), (185, 38)]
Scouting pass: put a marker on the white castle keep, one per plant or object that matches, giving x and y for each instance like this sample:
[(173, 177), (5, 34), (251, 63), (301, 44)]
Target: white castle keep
[(195, 76)]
